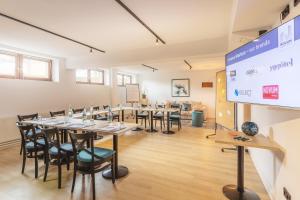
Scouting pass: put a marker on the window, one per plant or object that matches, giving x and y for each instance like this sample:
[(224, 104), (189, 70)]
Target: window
[(36, 69), (20, 66), (90, 76), (123, 79), (8, 66)]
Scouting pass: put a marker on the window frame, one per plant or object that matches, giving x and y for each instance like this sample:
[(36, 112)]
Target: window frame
[(89, 77), (17, 74), (123, 75), (49, 78), (19, 66)]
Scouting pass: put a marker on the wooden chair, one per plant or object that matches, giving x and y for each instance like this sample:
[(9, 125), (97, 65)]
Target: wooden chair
[(58, 113), (29, 117), (78, 110), (89, 159), (32, 145), (144, 115), (56, 152), (176, 116), (160, 116), (99, 117), (115, 115)]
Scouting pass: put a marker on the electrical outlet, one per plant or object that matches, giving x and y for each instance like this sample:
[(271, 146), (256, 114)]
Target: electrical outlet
[(286, 194)]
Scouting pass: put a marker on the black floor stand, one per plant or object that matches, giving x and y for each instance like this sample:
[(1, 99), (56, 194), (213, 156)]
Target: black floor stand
[(137, 122), (168, 131), (239, 192)]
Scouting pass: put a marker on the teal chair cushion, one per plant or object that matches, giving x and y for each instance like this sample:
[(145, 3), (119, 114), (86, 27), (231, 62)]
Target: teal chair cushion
[(174, 116), (30, 145), (37, 131), (65, 146), (83, 156)]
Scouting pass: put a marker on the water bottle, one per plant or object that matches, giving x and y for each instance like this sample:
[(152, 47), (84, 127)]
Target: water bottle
[(109, 115), (91, 114), (70, 112), (84, 117)]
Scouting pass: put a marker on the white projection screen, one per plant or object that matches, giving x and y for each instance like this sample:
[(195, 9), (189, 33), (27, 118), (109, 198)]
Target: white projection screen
[(267, 70)]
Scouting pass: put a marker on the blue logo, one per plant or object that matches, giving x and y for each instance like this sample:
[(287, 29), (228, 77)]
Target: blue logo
[(236, 92)]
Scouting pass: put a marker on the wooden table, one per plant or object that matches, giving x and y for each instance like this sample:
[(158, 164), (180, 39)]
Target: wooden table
[(100, 127), (239, 192)]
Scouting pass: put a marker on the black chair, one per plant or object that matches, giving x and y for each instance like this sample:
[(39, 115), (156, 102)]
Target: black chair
[(99, 117), (115, 115), (56, 151), (90, 160), (32, 145), (58, 113), (159, 115), (78, 110), (29, 117), (176, 116)]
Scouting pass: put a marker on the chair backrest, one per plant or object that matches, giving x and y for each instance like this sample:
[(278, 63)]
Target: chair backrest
[(79, 110), (96, 108), (81, 141), (27, 117), (176, 106), (58, 113), (105, 107), (24, 130), (51, 136)]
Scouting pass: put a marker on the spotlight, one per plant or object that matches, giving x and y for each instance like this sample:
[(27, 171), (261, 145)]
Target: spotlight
[(91, 50), (157, 42)]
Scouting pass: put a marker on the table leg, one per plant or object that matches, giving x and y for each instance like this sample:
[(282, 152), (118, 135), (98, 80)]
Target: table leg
[(137, 122), (122, 115), (151, 130), (168, 131), (239, 192), (121, 171)]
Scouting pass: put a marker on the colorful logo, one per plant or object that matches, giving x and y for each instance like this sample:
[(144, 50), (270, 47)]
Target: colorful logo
[(232, 75), (271, 92), (242, 92)]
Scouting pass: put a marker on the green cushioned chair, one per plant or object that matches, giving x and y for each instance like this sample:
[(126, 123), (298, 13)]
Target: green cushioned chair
[(89, 159)]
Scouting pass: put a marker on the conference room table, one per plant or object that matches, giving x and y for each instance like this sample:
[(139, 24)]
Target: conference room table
[(100, 127), (151, 110)]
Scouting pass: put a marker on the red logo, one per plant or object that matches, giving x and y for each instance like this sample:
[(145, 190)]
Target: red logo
[(271, 92)]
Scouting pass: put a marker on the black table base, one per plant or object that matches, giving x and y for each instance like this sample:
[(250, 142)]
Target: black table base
[(168, 132), (137, 129), (232, 193), (122, 171), (151, 130)]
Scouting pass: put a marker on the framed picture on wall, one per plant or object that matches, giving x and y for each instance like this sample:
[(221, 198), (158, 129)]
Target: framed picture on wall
[(180, 87)]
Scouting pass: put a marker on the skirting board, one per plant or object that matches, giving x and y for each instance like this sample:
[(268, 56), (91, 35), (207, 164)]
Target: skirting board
[(7, 144)]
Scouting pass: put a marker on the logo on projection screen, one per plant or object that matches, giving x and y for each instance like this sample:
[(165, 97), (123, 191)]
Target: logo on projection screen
[(242, 92), (271, 92), (286, 34)]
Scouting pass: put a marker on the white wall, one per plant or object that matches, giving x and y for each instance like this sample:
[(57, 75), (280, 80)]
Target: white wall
[(283, 126), (157, 86), (27, 97)]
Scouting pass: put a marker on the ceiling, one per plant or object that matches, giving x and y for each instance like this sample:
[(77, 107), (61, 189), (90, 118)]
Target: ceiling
[(195, 30)]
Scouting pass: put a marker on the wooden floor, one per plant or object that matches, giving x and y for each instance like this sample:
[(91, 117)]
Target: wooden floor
[(183, 166)]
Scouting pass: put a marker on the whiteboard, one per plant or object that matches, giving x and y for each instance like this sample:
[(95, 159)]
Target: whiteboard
[(132, 93)]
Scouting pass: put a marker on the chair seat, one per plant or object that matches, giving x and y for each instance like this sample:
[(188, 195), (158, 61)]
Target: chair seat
[(143, 114), (40, 143), (66, 147), (101, 118), (158, 115), (83, 156), (174, 116)]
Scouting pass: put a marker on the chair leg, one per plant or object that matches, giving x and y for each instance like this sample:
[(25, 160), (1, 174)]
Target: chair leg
[(161, 124), (59, 172), (24, 161), (155, 123), (68, 162), (145, 123), (21, 149), (36, 170), (93, 185), (46, 168), (74, 178)]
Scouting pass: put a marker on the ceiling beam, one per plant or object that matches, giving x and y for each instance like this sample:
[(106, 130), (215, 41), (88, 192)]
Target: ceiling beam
[(51, 32), (186, 62), (154, 69), (139, 20)]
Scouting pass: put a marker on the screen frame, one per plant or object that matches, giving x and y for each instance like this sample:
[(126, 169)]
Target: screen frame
[(260, 104)]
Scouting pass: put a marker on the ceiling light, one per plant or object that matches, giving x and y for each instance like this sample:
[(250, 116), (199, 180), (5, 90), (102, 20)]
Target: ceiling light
[(157, 42)]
